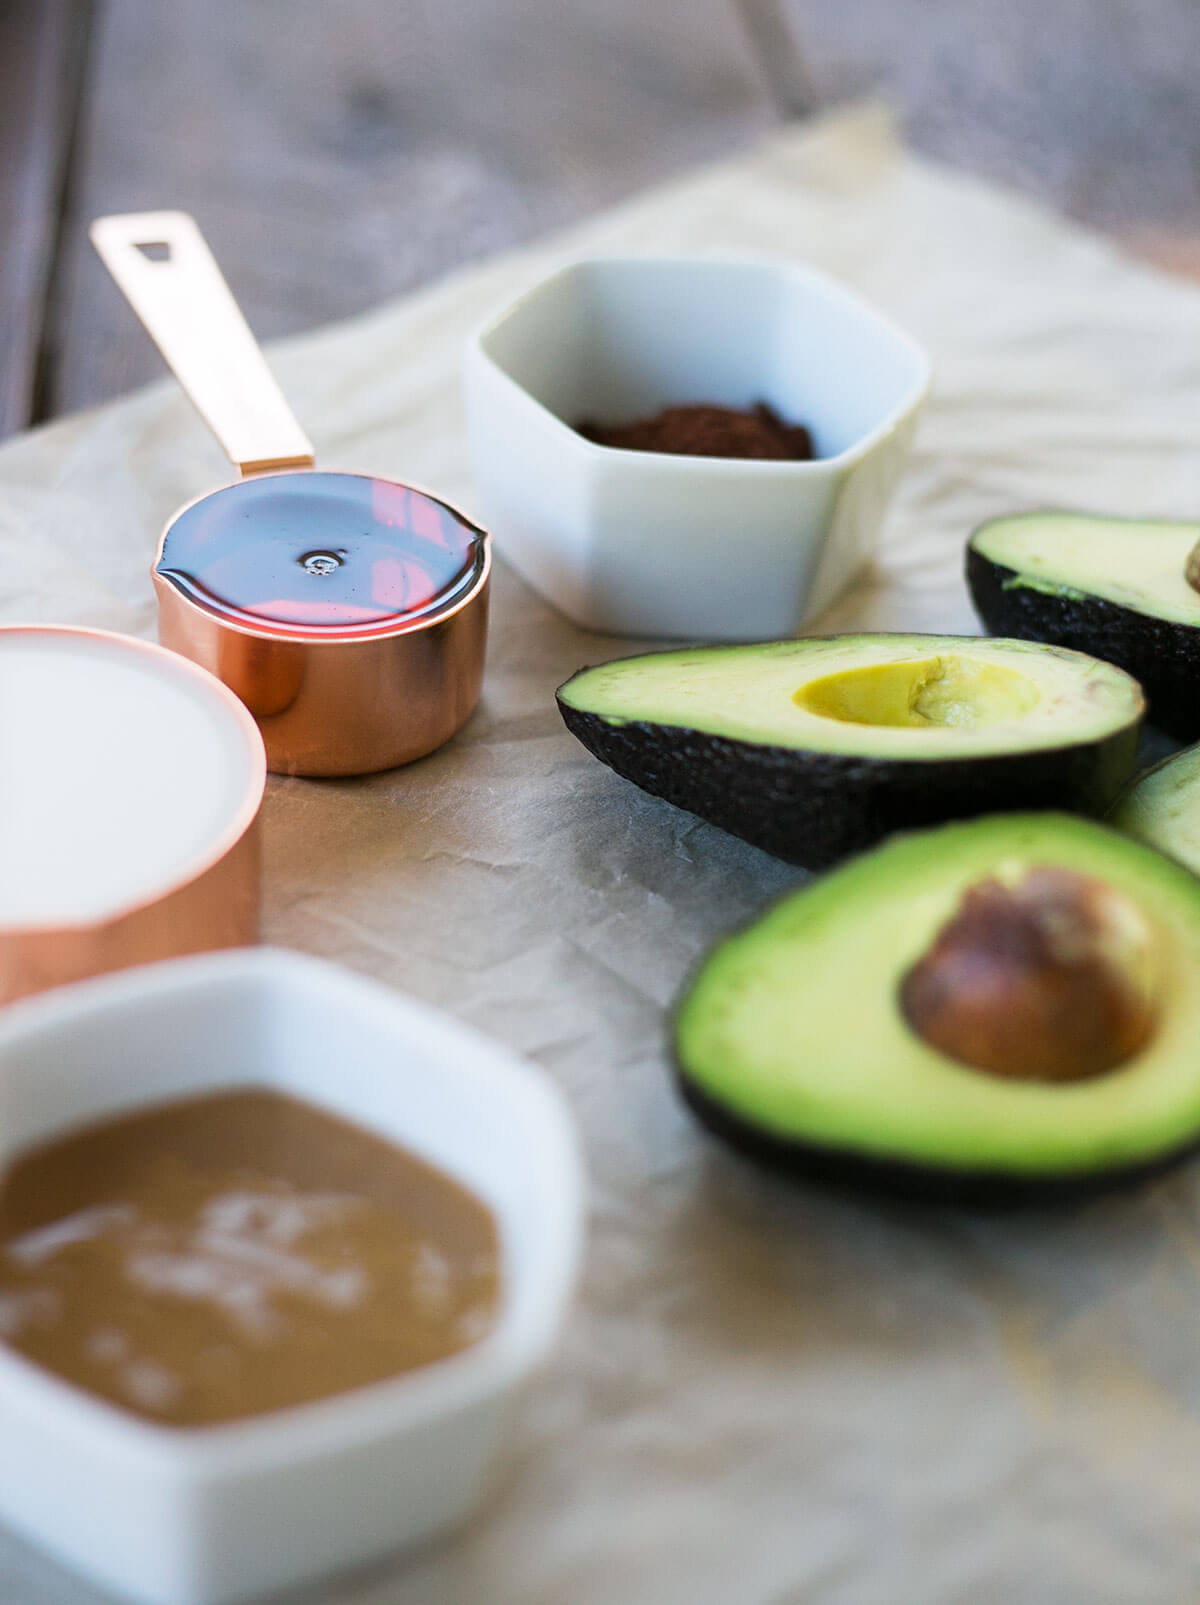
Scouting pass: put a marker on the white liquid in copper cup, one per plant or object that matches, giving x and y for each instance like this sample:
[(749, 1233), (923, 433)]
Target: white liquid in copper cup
[(131, 787)]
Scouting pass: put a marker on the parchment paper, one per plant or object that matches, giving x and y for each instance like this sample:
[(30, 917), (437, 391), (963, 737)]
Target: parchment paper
[(768, 1395)]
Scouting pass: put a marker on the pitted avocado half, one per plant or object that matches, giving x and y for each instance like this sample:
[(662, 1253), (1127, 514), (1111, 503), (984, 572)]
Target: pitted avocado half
[(1000, 1010), (1162, 807), (1114, 587), (816, 748)]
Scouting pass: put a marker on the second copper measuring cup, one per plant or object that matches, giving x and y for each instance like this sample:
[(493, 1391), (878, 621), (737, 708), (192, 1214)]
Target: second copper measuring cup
[(349, 613)]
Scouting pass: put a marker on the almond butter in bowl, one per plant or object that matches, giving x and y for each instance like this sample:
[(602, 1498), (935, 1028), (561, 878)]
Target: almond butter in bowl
[(217, 1257), (281, 1252)]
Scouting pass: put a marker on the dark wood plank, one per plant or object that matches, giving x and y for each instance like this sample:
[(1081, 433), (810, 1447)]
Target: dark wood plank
[(337, 155), (775, 42), (1091, 104), (41, 47)]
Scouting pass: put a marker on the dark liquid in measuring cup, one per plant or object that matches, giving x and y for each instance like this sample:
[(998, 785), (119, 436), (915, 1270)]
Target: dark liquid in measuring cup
[(317, 552)]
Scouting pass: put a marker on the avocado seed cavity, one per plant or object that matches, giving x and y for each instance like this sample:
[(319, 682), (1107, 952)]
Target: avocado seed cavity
[(1040, 975), (918, 694)]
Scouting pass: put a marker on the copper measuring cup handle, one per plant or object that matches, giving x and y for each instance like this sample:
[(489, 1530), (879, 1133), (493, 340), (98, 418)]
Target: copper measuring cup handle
[(171, 280)]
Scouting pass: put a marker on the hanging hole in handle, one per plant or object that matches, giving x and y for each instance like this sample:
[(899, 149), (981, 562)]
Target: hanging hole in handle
[(155, 250)]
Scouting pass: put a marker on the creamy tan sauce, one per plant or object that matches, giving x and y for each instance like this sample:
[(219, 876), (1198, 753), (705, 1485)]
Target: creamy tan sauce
[(235, 1253)]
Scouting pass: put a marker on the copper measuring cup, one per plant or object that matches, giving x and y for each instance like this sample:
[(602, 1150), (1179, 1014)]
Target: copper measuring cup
[(349, 613)]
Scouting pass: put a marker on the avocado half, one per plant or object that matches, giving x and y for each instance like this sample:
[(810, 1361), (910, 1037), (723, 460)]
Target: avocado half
[(816, 748), (792, 1045), (1113, 587), (1162, 807)]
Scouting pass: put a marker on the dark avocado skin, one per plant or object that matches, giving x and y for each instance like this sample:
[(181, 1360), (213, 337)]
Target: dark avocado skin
[(930, 1184), (1163, 655), (813, 808)]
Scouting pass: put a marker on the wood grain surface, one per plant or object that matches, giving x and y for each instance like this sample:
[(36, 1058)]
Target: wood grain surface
[(1093, 105), (339, 154), (42, 49)]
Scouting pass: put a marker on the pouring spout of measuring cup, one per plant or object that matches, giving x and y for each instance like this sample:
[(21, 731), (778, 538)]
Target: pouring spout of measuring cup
[(170, 278)]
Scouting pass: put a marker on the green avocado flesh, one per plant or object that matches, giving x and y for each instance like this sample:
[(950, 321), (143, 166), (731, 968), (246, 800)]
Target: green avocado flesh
[(1162, 807), (1135, 564), (887, 696), (792, 1033)]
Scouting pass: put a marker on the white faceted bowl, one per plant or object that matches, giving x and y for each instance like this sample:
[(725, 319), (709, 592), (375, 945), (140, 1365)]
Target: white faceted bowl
[(205, 1516), (646, 544)]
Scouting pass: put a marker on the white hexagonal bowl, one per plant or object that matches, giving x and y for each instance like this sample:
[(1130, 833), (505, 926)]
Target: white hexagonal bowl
[(695, 548), (204, 1516)]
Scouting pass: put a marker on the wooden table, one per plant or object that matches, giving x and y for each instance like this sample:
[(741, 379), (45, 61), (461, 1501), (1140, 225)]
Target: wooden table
[(337, 154)]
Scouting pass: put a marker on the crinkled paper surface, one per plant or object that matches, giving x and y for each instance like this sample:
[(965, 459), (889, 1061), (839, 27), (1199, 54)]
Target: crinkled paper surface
[(767, 1395)]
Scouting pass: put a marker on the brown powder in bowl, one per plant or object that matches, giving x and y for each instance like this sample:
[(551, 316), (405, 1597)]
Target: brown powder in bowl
[(706, 430)]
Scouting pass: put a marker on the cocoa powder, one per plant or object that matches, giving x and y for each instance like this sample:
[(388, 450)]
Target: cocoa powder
[(706, 430)]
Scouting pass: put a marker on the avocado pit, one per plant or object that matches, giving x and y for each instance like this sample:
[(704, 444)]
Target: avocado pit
[(1191, 572), (1042, 975)]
